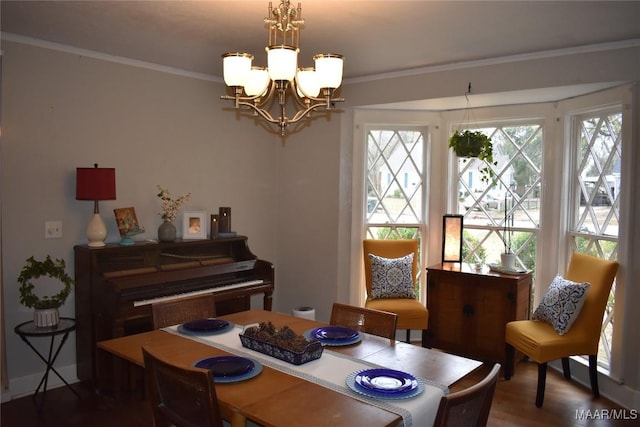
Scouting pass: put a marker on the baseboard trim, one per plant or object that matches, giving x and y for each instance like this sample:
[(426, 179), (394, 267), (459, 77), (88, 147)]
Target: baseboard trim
[(23, 386)]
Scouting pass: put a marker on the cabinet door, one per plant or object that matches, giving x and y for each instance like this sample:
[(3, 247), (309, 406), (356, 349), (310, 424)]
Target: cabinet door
[(446, 319), (492, 310)]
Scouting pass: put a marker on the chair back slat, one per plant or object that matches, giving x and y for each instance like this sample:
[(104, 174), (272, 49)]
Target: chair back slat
[(181, 397), (469, 407), (182, 310), (376, 322)]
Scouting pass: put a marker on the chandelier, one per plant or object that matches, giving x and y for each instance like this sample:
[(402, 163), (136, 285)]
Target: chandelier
[(257, 88)]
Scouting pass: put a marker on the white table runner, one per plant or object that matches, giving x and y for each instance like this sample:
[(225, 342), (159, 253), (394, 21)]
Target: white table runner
[(331, 371)]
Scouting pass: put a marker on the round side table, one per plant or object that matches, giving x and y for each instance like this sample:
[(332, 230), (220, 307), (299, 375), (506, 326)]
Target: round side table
[(28, 330)]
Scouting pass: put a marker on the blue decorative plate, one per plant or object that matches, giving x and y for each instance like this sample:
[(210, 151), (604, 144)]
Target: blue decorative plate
[(386, 381), (205, 327), (227, 369), (333, 335), (385, 384)]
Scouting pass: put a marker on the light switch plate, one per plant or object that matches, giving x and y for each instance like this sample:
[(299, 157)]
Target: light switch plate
[(53, 230)]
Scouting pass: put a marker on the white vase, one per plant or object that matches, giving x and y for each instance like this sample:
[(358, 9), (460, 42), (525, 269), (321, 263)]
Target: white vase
[(508, 260), (46, 317), (305, 312)]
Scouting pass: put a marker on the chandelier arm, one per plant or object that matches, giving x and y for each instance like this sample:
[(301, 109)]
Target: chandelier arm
[(246, 101), (327, 101), (303, 113), (300, 100), (260, 100), (326, 98), (263, 113)]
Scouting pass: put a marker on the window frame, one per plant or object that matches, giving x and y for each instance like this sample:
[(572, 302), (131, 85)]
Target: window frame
[(574, 110), (552, 252)]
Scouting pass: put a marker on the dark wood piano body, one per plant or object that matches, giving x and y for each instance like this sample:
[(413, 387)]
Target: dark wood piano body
[(110, 279)]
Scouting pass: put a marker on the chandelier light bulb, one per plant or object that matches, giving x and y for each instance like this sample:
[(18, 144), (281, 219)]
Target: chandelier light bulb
[(282, 62), (258, 81), (329, 70), (236, 68), (307, 83)]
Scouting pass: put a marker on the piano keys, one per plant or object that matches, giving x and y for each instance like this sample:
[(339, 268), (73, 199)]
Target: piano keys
[(213, 290), (116, 285)]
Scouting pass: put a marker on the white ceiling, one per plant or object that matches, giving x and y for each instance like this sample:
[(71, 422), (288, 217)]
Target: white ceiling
[(376, 37)]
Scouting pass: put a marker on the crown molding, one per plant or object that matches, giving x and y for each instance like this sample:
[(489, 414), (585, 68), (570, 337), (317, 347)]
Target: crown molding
[(106, 57), (623, 44)]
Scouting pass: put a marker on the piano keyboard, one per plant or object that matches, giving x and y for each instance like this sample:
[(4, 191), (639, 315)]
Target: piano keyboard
[(199, 292)]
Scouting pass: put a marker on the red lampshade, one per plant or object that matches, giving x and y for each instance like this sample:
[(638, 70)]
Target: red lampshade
[(95, 183)]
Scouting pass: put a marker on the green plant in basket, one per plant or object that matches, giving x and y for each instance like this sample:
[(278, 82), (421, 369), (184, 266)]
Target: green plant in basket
[(474, 144), (48, 268)]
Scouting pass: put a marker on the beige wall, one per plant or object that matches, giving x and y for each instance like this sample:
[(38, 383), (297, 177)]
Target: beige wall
[(62, 110), (307, 222), (292, 199)]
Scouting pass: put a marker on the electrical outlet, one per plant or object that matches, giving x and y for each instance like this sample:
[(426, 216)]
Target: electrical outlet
[(53, 230)]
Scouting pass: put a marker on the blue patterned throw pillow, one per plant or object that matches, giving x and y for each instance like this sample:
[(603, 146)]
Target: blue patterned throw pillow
[(391, 277), (561, 304)]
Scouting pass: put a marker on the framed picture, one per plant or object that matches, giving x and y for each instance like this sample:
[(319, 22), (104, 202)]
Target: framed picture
[(194, 225), (127, 221)]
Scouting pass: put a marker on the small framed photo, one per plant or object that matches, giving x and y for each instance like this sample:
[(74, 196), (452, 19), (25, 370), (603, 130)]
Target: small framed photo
[(194, 225), (127, 221)]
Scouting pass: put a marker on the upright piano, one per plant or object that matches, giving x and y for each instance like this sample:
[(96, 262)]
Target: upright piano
[(116, 285)]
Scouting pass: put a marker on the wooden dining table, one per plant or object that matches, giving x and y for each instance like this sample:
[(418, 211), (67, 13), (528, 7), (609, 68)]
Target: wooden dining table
[(276, 398)]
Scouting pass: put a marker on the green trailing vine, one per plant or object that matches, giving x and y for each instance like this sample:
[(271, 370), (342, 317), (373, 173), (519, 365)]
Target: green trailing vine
[(34, 269), (474, 144)]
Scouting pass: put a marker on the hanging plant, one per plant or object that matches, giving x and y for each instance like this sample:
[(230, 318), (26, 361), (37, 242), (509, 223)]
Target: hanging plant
[(476, 144), (34, 269)]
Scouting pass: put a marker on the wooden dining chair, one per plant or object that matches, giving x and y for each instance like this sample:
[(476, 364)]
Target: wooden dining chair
[(540, 342), (412, 314), (182, 310), (181, 397), (469, 407), (376, 322)]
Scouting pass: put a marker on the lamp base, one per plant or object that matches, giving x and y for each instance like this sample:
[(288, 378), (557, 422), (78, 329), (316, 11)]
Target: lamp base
[(96, 231), (127, 241)]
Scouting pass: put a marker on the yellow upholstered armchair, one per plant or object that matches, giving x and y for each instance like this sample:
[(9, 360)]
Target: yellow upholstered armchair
[(412, 314), (538, 339)]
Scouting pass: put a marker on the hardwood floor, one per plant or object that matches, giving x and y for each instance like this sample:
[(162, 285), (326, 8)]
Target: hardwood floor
[(513, 405), (514, 401)]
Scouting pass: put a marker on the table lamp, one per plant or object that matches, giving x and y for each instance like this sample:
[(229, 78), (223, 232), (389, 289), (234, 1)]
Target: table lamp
[(96, 184), (452, 238)]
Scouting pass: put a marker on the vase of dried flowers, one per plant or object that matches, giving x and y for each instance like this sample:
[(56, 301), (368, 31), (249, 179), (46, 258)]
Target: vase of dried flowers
[(167, 231)]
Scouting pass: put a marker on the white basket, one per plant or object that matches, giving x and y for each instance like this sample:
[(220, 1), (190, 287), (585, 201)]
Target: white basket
[(46, 318)]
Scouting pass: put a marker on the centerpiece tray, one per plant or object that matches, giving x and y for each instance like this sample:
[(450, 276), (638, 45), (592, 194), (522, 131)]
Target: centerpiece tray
[(311, 351)]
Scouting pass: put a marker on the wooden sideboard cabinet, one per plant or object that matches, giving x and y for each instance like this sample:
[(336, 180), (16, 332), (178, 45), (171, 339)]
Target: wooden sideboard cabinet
[(468, 309)]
